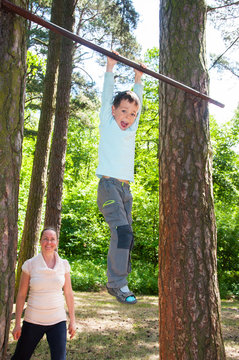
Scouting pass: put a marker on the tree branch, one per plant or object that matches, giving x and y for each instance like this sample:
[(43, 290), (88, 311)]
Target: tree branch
[(209, 8), (219, 57)]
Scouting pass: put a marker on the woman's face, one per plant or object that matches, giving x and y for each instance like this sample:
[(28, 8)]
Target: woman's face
[(48, 241)]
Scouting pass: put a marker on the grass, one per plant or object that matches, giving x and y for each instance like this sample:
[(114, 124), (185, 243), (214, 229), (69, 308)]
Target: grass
[(230, 328), (108, 330)]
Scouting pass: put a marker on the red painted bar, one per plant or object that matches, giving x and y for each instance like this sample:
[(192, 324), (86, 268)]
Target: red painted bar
[(7, 5)]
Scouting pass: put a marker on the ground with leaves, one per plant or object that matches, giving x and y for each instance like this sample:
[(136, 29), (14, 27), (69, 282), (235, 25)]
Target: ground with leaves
[(108, 330)]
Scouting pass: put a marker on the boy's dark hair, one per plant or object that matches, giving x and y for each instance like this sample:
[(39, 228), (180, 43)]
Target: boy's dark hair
[(125, 95)]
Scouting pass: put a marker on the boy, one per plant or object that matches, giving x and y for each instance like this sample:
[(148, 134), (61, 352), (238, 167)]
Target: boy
[(118, 126)]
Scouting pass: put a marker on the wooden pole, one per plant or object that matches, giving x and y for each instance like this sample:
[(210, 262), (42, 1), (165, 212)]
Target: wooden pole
[(7, 5)]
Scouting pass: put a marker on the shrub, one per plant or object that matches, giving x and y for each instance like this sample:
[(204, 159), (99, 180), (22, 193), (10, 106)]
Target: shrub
[(88, 275), (229, 284)]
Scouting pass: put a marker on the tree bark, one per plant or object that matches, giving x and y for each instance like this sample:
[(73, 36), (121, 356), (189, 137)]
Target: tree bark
[(12, 81), (59, 141), (39, 172), (189, 304)]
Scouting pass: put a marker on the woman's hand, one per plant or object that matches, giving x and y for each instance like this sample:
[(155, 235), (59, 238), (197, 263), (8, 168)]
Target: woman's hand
[(72, 329), (17, 332)]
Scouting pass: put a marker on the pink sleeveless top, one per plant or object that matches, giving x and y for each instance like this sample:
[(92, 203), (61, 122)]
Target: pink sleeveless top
[(46, 303)]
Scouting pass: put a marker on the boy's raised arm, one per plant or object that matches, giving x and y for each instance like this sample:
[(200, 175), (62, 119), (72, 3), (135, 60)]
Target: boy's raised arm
[(138, 75), (111, 62)]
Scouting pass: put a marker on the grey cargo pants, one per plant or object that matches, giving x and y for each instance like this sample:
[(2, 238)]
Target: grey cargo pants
[(115, 202)]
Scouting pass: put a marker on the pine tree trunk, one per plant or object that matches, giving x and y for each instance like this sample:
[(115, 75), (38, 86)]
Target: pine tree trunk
[(59, 141), (189, 304), (12, 78), (39, 172)]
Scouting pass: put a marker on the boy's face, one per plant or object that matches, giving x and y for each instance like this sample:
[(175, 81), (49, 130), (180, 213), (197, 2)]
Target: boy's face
[(125, 114)]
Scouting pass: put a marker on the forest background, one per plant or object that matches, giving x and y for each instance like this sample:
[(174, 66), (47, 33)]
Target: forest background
[(84, 236)]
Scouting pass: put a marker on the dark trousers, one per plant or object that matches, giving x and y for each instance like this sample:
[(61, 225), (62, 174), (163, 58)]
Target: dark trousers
[(115, 202), (31, 336)]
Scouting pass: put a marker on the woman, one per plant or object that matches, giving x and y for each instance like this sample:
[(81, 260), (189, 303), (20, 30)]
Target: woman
[(45, 275)]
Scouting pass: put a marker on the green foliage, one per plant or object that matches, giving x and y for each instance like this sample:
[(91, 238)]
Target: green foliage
[(90, 275), (225, 142), (225, 162), (36, 68), (109, 23), (145, 189), (38, 36), (229, 284), (145, 223), (228, 238), (113, 19), (82, 231), (228, 250), (144, 278), (147, 139), (25, 178), (82, 150)]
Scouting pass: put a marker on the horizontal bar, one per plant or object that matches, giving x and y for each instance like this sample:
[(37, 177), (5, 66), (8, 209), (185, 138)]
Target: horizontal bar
[(7, 5)]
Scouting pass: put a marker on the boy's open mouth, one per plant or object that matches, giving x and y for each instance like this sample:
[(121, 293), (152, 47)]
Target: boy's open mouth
[(124, 124)]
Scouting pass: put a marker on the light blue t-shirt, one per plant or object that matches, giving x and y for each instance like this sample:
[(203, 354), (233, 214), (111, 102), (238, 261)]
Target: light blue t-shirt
[(116, 147)]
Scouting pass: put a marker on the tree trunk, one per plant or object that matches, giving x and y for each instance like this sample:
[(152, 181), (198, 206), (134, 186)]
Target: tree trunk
[(189, 304), (59, 141), (38, 179), (12, 78)]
